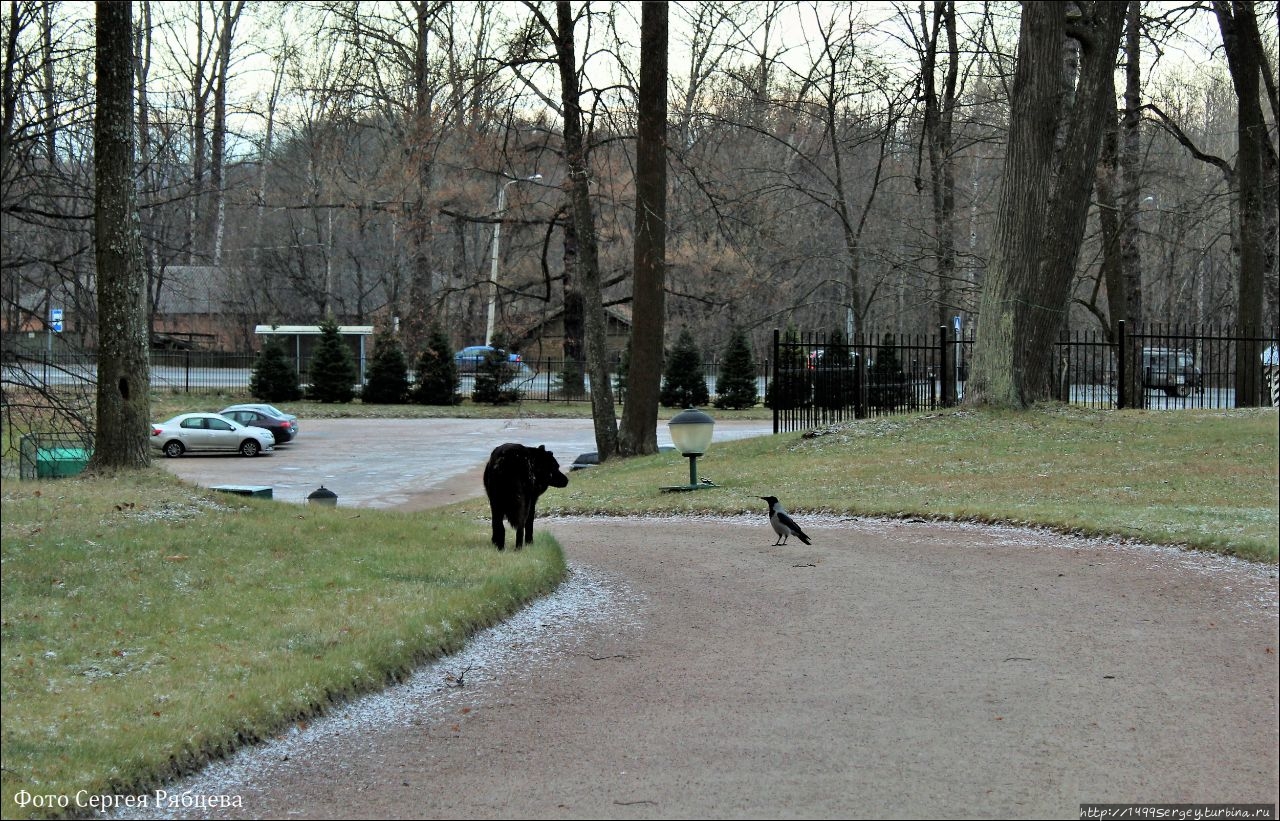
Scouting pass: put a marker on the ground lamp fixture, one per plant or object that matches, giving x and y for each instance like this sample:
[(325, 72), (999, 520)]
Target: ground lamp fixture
[(323, 497), (493, 267), (691, 434)]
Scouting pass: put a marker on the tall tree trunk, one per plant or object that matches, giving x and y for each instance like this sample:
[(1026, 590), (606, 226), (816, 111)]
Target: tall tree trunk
[(123, 372), (218, 158), (1131, 168), (1245, 60), (417, 317), (639, 434), (575, 343), (938, 120), (266, 158), (602, 410), (1056, 125), (1113, 271), (200, 106), (48, 88)]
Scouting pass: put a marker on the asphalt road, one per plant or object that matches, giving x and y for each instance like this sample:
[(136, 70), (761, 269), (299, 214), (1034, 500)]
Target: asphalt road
[(381, 463)]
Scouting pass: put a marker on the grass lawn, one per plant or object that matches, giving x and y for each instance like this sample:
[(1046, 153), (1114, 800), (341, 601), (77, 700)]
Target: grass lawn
[(1206, 479), (148, 626)]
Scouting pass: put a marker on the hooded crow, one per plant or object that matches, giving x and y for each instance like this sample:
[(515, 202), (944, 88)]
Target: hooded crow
[(783, 524)]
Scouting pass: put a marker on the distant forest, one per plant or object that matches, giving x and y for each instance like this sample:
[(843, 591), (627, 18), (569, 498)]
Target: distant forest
[(830, 165)]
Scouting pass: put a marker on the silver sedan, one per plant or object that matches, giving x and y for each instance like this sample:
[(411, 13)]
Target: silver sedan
[(209, 433)]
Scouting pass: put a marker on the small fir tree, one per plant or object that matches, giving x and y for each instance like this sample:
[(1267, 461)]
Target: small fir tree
[(437, 382), (683, 385), (333, 370), (493, 377), (834, 377), (736, 385), (274, 378), (569, 383), (389, 373), (792, 383), (886, 383)]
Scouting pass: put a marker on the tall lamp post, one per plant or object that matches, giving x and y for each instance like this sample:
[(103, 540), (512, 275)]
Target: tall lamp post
[(493, 268)]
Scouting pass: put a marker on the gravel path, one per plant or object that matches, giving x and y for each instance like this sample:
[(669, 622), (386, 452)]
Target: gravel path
[(691, 669)]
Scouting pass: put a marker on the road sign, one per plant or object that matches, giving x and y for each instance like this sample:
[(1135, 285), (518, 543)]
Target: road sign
[(55, 320)]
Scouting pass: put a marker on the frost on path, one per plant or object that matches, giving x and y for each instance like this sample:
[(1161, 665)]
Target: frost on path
[(588, 603)]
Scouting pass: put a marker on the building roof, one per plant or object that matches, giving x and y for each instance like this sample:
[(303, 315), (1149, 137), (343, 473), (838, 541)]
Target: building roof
[(310, 330)]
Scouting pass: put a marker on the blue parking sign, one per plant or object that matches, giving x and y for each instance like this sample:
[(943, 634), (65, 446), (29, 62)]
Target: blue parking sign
[(55, 320)]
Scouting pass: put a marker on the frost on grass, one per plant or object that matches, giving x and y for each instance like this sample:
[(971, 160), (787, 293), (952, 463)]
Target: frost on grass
[(171, 511)]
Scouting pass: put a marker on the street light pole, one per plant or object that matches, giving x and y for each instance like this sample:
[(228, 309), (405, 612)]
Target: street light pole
[(493, 267)]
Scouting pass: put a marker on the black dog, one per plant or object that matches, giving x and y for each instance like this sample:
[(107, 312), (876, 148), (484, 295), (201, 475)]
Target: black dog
[(514, 479)]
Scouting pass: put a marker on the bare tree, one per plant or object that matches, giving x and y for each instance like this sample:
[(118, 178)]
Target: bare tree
[(561, 34), (1059, 111), (123, 370), (936, 134), (228, 19), (1255, 167), (640, 414)]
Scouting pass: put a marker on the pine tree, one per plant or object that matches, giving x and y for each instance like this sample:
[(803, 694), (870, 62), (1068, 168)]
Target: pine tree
[(833, 374), (683, 385), (333, 371), (886, 383), (736, 385), (437, 382), (792, 384), (569, 382), (493, 377), (389, 373), (274, 379)]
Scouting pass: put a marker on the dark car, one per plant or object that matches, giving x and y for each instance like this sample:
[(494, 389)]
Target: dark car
[(281, 429), (468, 359), (269, 410), (1171, 370)]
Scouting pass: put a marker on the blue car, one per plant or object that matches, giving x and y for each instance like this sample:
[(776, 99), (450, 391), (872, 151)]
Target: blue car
[(469, 359)]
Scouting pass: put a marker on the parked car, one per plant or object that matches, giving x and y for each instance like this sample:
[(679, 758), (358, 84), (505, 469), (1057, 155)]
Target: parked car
[(281, 429), (468, 359), (1172, 370), (269, 410), (209, 433)]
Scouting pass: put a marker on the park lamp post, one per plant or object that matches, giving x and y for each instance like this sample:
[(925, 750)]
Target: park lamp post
[(493, 268), (691, 433)]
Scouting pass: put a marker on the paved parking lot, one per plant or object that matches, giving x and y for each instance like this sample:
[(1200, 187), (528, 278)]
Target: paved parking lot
[(381, 463)]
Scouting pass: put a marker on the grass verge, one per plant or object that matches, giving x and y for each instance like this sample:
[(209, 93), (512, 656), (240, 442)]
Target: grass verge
[(149, 626), (1206, 479)]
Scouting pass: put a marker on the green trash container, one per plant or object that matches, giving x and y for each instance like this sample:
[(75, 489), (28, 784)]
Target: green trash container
[(64, 461)]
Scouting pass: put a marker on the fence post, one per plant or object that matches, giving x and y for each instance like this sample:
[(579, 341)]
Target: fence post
[(774, 379), (859, 382), (946, 369), (1122, 374)]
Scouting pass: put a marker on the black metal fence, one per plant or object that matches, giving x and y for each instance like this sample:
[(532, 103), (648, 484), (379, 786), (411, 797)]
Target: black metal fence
[(205, 372), (815, 383), (810, 382)]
